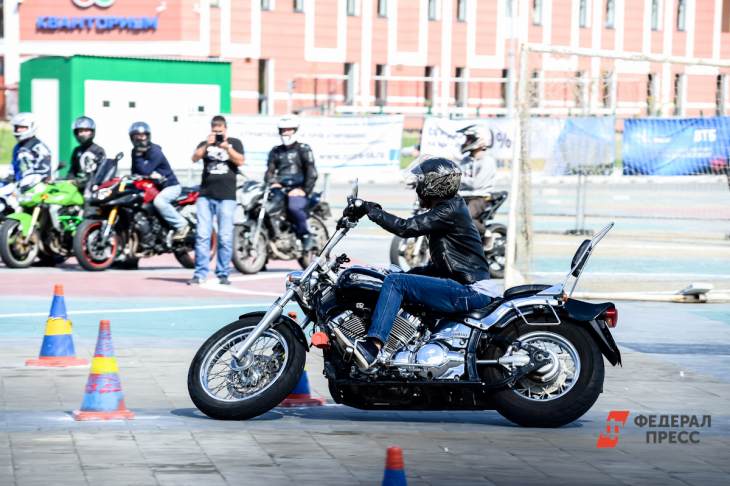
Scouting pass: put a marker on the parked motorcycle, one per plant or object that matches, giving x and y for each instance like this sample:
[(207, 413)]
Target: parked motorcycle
[(408, 253), (263, 232), (44, 226), (123, 225), (534, 354)]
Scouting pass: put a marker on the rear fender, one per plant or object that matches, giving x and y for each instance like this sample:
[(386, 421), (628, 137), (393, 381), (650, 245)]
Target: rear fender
[(24, 219), (286, 321), (586, 314)]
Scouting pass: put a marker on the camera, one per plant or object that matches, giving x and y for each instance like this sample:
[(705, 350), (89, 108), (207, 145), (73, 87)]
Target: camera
[(218, 138)]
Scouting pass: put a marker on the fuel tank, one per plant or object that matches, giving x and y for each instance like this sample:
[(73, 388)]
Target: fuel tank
[(360, 285)]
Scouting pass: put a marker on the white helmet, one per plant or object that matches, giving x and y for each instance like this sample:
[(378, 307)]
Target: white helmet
[(288, 123), (24, 120), (476, 138)]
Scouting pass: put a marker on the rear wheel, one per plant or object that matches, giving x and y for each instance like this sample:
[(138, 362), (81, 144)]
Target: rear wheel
[(409, 253), (318, 232), (223, 389), (559, 392), (494, 250), (16, 250), (248, 258), (91, 253)]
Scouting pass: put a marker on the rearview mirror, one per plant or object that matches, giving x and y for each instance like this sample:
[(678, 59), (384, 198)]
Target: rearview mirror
[(354, 189), (119, 156)]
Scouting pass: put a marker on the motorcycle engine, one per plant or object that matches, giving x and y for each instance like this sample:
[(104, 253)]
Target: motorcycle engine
[(440, 357), (146, 230), (405, 328)]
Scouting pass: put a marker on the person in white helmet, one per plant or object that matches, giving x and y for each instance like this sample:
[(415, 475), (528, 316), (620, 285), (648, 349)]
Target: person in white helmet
[(291, 167), (31, 158), (478, 171)]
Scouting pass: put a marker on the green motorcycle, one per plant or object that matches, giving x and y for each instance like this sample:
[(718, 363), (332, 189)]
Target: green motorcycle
[(44, 227)]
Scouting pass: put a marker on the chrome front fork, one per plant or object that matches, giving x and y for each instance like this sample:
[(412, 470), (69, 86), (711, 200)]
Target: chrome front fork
[(271, 316)]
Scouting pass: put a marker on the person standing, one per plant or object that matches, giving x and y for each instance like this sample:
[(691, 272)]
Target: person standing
[(149, 161), (221, 155)]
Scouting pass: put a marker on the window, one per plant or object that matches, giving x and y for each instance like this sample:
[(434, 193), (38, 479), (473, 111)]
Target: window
[(610, 13), (654, 14), (537, 12), (583, 13), (535, 89), (721, 94), (382, 8), (428, 85), (508, 8), (581, 90), (381, 85), (460, 87), (267, 4), (607, 89), (351, 8), (678, 94), (651, 94), (263, 87), (433, 10), (504, 86), (681, 14), (461, 10), (2, 24), (299, 5), (348, 86), (725, 16)]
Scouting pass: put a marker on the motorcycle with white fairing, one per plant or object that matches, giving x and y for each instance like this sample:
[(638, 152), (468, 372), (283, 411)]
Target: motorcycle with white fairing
[(535, 354)]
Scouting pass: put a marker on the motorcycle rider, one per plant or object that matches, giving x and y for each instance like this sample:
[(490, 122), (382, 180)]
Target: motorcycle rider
[(149, 161), (457, 278), (291, 165), (87, 156), (31, 160), (222, 156), (478, 170)]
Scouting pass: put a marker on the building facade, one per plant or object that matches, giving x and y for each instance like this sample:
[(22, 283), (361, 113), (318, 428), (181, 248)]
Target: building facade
[(416, 57)]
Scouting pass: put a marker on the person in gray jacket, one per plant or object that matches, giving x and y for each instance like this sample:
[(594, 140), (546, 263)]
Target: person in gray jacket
[(478, 171)]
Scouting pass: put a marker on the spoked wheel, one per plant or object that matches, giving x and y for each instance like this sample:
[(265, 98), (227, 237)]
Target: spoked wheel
[(559, 392), (16, 250), (318, 231), (494, 250), (225, 389), (91, 252), (409, 252), (248, 258)]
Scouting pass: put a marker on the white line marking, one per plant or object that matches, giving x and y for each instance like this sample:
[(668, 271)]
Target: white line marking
[(641, 275), (233, 290), (135, 311), (262, 276)]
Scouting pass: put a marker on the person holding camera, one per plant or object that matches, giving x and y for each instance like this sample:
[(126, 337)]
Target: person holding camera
[(221, 155)]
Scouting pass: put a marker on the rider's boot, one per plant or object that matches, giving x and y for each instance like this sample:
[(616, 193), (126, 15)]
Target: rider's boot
[(181, 233)]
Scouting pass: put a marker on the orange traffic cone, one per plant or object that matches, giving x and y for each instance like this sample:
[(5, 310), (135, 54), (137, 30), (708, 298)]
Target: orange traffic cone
[(394, 474), (301, 396), (103, 397), (57, 349)]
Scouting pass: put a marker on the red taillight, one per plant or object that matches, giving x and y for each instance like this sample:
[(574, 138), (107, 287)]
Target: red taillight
[(610, 316)]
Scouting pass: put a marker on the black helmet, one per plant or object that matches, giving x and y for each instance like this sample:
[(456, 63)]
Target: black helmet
[(476, 138), (434, 178), (84, 123), (138, 128)]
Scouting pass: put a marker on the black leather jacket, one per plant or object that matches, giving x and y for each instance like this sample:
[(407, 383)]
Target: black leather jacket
[(292, 166), (453, 240)]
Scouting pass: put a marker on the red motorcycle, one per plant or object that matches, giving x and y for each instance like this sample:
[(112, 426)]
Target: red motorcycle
[(122, 225)]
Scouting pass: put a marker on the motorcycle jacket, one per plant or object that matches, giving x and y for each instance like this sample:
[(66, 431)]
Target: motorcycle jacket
[(85, 159), (292, 166), (32, 157), (453, 241), (477, 175)]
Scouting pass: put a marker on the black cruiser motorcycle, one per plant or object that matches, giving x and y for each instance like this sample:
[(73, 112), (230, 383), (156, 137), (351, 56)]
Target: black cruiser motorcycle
[(535, 354)]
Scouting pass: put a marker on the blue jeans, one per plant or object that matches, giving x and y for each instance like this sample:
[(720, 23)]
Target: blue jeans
[(163, 204), (298, 214), (207, 209), (437, 294)]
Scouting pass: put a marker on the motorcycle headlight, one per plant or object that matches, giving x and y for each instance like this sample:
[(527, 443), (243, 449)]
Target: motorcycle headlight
[(102, 194)]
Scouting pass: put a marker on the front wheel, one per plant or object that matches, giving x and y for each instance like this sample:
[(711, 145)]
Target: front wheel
[(494, 249), (409, 252), (16, 250), (559, 392), (318, 232), (247, 258), (223, 389), (91, 252)]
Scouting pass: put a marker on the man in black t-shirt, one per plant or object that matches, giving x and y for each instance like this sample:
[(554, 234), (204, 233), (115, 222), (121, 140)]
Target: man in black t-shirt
[(221, 155)]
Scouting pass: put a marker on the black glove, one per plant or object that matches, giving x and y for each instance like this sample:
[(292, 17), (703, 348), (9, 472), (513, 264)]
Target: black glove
[(356, 209)]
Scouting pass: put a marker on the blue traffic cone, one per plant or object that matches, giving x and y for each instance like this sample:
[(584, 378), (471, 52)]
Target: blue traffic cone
[(394, 474), (301, 396), (57, 349)]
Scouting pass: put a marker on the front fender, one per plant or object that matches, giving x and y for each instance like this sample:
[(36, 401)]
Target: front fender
[(24, 219), (285, 320)]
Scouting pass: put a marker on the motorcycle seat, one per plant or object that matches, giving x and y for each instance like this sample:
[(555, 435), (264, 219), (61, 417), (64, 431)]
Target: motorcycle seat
[(484, 311), (523, 291)]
